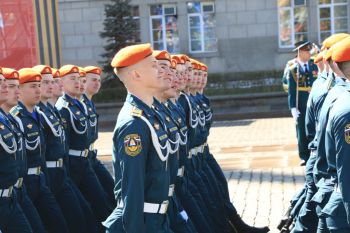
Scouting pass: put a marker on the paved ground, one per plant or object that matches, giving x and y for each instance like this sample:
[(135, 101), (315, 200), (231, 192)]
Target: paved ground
[(260, 161)]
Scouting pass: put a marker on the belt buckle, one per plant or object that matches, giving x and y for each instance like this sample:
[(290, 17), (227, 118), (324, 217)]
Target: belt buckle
[(38, 170), (85, 153), (60, 163), (166, 203)]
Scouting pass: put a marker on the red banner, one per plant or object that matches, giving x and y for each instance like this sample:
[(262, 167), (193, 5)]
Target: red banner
[(18, 42)]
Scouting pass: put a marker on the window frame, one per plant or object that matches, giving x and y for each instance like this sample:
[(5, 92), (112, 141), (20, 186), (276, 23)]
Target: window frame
[(291, 10), (332, 19), (201, 27), (163, 19)]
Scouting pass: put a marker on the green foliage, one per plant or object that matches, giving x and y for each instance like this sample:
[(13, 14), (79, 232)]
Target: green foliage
[(118, 31)]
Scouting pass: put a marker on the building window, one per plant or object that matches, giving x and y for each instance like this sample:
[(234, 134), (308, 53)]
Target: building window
[(201, 24), (135, 13), (164, 32), (332, 17), (293, 22)]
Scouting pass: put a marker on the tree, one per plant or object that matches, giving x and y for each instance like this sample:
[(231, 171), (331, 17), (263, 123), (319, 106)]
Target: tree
[(119, 30)]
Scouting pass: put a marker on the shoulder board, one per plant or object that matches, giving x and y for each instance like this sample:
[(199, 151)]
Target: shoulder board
[(291, 62), (136, 112), (293, 66), (14, 111)]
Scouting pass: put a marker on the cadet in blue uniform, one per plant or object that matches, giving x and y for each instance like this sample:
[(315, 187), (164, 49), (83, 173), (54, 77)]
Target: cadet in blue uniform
[(337, 210), (56, 150), (93, 84), (179, 222), (12, 218), (77, 138), (24, 201), (322, 179), (301, 76), (307, 218), (184, 187), (36, 180), (140, 148)]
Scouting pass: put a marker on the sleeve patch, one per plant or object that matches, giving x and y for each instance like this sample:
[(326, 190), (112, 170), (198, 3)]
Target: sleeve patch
[(132, 144)]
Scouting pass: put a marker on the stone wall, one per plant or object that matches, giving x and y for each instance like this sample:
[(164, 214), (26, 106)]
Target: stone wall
[(247, 32)]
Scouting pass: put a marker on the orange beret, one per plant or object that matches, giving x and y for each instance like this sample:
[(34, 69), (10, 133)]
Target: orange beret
[(195, 64), (55, 73), (161, 55), (93, 70), (341, 51), (82, 72), (43, 69), (131, 55), (27, 75), (318, 58), (10, 73), (333, 39), (204, 67), (185, 57), (328, 54), (68, 69), (0, 70), (176, 58), (173, 64)]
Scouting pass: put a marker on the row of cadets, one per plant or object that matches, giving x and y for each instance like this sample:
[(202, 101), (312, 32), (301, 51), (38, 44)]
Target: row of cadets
[(12, 217), (306, 217), (141, 147), (179, 221), (307, 206), (36, 180), (207, 175), (76, 124), (186, 191), (77, 218), (336, 213)]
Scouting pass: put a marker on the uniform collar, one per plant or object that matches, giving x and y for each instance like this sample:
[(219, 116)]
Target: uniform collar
[(68, 99), (134, 101), (23, 110)]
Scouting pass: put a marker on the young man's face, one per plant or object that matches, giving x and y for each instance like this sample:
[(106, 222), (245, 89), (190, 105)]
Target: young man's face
[(30, 93), (204, 79), (3, 89), (172, 91), (57, 87), (71, 84), (13, 92), (47, 85), (164, 74), (82, 88), (93, 83)]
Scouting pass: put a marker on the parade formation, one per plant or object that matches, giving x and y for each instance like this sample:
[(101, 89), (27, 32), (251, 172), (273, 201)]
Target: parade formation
[(166, 180), (319, 103)]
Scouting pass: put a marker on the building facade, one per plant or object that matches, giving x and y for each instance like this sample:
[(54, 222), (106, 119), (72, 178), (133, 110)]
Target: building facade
[(229, 35)]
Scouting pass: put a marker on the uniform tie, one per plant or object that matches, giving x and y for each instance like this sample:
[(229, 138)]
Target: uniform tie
[(305, 68)]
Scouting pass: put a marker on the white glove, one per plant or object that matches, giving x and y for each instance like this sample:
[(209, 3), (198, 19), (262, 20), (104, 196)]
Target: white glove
[(295, 113)]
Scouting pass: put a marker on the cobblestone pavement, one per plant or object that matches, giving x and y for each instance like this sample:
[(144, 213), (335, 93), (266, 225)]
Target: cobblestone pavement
[(259, 158)]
